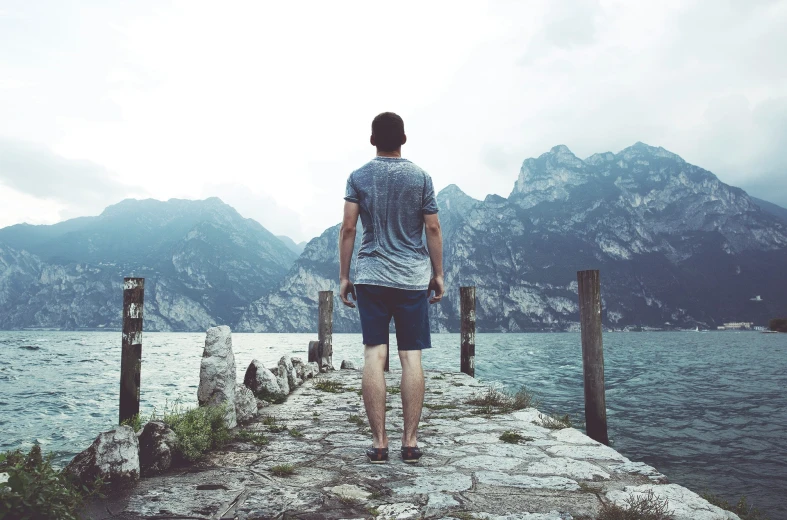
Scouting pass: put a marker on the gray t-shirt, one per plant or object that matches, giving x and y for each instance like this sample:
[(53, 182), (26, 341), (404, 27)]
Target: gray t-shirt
[(394, 195)]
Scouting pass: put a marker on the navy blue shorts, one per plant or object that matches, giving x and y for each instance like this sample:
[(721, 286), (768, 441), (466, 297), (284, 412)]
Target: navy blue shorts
[(409, 309)]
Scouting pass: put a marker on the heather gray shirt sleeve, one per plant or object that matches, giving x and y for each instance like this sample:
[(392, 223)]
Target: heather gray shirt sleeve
[(429, 200), (350, 193)]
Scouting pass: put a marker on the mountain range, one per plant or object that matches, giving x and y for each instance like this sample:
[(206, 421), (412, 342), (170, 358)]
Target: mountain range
[(676, 248)]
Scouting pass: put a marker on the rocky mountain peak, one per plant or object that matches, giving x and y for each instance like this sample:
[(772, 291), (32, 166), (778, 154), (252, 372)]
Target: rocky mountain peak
[(453, 199), (640, 149)]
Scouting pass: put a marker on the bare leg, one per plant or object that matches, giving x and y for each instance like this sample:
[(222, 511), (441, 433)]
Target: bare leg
[(373, 388), (412, 389)]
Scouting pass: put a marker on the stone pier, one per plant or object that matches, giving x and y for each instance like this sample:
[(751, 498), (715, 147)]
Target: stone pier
[(467, 470)]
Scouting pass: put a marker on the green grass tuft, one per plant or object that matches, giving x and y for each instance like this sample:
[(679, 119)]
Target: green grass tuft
[(251, 437), (646, 507), (513, 437), (394, 390), (333, 387), (37, 490), (355, 419), (295, 432), (136, 423), (198, 429), (283, 470), (439, 406), (495, 401), (554, 422)]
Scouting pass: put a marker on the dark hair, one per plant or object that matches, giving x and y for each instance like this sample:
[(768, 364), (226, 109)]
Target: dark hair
[(388, 131)]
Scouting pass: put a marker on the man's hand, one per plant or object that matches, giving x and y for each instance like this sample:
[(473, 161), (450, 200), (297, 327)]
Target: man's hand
[(347, 288), (437, 285)]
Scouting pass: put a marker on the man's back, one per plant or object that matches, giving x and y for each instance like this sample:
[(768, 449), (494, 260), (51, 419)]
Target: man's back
[(393, 195)]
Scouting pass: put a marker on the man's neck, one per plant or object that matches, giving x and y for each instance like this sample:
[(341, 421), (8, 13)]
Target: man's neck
[(395, 153)]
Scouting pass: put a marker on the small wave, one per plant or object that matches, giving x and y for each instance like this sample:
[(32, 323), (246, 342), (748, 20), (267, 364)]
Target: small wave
[(30, 347)]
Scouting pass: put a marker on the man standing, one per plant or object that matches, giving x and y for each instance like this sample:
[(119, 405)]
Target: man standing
[(394, 275)]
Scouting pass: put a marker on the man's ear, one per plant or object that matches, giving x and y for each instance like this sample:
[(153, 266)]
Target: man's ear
[(371, 140), (404, 138)]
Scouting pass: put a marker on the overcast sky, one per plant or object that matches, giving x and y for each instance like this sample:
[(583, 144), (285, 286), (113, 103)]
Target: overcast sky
[(268, 105)]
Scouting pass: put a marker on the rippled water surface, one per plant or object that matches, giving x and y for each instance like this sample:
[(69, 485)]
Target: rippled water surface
[(709, 410)]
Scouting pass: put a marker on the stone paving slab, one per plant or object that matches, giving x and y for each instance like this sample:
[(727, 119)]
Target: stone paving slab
[(466, 472)]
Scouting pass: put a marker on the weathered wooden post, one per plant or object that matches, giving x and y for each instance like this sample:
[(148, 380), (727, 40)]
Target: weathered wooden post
[(314, 351), (467, 305), (131, 351), (325, 331), (592, 355)]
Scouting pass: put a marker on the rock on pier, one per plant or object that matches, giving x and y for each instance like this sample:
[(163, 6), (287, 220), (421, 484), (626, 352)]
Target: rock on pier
[(467, 471)]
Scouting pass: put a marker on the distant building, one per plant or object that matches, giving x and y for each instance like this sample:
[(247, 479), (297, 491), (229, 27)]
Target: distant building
[(738, 325), (759, 328)]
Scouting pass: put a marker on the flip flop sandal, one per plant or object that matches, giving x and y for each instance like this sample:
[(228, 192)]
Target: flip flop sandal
[(377, 455), (411, 454)]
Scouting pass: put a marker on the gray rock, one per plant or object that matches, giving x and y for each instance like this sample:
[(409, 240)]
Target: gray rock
[(286, 367), (113, 457), (282, 380), (217, 373), (315, 368), (262, 403), (156, 448), (301, 369), (245, 404), (348, 365), (263, 383)]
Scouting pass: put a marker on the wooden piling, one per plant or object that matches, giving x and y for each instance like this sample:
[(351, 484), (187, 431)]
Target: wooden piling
[(314, 351), (131, 350), (467, 316), (592, 355), (325, 330)]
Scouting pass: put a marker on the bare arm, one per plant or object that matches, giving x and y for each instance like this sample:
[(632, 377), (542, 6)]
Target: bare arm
[(434, 241), (346, 245)]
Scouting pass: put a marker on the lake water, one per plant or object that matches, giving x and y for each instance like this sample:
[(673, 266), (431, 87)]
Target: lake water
[(709, 410)]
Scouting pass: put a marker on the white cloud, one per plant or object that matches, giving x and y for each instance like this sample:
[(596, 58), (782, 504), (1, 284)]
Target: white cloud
[(278, 98)]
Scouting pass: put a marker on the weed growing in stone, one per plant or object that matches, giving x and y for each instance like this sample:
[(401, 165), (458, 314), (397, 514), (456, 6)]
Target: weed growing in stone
[(272, 424), (136, 422), (742, 508), (439, 406), (283, 470), (554, 422), (251, 437), (373, 511), (646, 507), (198, 429), (394, 390), (35, 489), (355, 419), (513, 437), (295, 432), (587, 488), (349, 501), (333, 387), (388, 408), (495, 401), (318, 401), (463, 515)]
